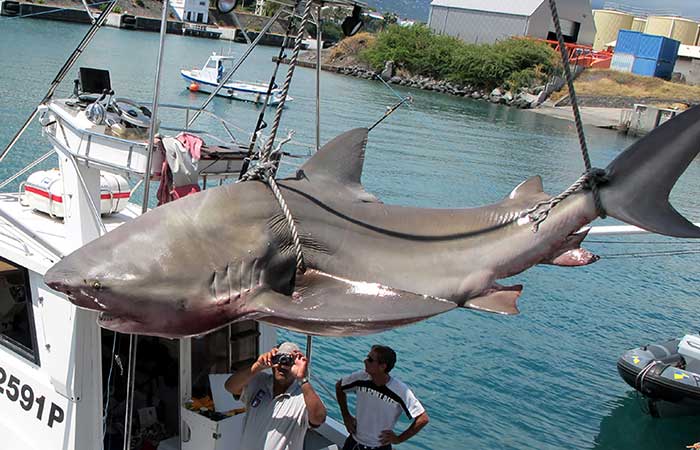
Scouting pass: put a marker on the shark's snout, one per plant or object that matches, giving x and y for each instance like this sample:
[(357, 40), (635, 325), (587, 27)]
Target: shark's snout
[(58, 280)]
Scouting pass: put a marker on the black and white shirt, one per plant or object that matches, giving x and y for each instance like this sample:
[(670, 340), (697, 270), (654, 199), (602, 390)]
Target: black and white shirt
[(379, 407)]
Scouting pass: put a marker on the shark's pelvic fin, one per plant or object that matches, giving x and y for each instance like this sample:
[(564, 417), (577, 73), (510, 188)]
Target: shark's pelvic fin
[(331, 306), (499, 299), (641, 178), (340, 162)]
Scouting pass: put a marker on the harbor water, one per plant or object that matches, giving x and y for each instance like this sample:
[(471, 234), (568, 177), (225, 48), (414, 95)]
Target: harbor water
[(545, 379)]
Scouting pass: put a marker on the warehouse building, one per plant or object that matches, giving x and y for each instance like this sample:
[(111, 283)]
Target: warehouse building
[(488, 21)]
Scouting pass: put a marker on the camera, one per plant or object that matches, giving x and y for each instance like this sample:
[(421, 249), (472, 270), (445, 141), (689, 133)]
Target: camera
[(283, 359)]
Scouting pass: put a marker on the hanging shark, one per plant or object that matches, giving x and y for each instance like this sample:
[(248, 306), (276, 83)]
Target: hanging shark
[(227, 254)]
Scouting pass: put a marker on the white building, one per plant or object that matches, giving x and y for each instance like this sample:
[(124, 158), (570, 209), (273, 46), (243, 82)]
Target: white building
[(487, 21), (191, 10)]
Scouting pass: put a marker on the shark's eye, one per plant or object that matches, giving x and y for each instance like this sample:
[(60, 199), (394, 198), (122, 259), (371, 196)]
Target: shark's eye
[(97, 285)]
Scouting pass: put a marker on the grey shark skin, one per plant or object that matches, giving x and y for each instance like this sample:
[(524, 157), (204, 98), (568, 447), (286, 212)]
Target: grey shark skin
[(226, 254)]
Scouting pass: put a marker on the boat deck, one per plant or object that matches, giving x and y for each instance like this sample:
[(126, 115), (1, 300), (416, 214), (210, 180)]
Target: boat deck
[(22, 229)]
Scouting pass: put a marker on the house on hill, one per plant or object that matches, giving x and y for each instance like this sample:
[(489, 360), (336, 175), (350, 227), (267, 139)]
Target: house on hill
[(488, 21), (191, 10)]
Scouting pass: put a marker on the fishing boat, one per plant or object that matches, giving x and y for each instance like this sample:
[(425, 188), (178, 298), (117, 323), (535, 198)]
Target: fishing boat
[(66, 382), (207, 78), (666, 373)]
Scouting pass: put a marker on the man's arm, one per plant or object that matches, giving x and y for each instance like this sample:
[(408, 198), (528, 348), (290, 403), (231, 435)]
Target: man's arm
[(239, 380), (314, 405), (315, 408), (348, 419), (389, 437)]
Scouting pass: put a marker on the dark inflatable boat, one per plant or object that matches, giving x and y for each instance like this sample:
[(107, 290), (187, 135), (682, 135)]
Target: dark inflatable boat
[(667, 372)]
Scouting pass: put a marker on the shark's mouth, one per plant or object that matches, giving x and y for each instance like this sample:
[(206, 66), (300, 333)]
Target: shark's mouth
[(118, 323)]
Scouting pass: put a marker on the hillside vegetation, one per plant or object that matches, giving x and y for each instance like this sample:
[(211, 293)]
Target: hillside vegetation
[(417, 50)]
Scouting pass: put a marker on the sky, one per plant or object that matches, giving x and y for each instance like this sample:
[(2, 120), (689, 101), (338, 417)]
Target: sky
[(686, 8)]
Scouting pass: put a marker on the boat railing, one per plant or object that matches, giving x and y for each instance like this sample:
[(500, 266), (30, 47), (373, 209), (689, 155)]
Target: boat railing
[(127, 154)]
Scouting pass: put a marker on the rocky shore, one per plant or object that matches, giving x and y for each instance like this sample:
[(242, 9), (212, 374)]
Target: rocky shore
[(524, 98)]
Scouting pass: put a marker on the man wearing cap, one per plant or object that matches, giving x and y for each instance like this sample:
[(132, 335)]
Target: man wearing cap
[(280, 405), (381, 399)]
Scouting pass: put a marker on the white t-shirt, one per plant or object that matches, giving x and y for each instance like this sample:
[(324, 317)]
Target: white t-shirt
[(379, 407), (273, 423)]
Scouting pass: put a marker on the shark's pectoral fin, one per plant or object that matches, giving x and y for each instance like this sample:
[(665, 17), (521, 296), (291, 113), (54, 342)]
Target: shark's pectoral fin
[(498, 299), (326, 305), (572, 258), (570, 253)]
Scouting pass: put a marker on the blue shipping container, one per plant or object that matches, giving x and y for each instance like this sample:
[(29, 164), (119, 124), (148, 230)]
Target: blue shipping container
[(652, 68), (627, 42), (644, 66), (622, 62), (657, 47)]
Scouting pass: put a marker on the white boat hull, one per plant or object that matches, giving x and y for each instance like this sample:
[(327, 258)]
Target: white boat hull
[(236, 90)]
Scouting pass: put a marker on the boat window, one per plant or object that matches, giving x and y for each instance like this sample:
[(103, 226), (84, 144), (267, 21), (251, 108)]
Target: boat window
[(211, 64), (16, 320)]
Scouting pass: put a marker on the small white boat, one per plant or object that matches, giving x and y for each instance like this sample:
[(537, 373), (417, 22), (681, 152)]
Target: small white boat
[(209, 76)]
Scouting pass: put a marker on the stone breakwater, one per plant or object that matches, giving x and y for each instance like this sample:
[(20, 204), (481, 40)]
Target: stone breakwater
[(523, 98)]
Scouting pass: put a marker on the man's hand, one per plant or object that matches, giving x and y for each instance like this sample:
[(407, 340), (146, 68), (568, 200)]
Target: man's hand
[(264, 361), (350, 423), (300, 366), (389, 437)]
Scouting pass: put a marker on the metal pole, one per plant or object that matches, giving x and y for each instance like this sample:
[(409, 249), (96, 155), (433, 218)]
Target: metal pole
[(61, 74), (240, 27), (309, 343), (154, 109), (130, 381), (236, 66), (319, 47), (133, 339)]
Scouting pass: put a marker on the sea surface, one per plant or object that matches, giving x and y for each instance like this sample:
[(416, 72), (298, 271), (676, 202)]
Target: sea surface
[(545, 379)]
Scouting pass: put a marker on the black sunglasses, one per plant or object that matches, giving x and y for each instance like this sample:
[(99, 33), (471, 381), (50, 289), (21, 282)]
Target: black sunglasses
[(369, 359)]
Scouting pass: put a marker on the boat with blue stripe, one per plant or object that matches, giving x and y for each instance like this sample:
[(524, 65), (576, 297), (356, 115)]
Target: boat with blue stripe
[(210, 75)]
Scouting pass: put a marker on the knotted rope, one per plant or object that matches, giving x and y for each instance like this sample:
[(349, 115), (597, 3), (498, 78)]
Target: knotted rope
[(538, 213)]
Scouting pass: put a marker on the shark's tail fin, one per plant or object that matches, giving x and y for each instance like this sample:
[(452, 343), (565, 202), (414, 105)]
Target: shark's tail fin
[(641, 178)]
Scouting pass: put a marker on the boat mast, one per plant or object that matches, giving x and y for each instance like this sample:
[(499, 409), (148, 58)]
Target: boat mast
[(133, 338)]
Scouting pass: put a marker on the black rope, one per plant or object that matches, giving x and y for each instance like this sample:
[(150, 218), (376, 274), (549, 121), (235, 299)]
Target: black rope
[(574, 106)]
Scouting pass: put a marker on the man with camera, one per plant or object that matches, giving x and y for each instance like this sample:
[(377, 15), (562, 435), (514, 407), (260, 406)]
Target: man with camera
[(381, 399), (282, 405)]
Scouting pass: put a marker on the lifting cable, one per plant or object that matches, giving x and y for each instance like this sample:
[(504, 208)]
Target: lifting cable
[(591, 177), (267, 167)]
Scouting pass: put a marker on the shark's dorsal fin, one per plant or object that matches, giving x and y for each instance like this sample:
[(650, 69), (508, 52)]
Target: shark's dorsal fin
[(529, 187), (340, 161)]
